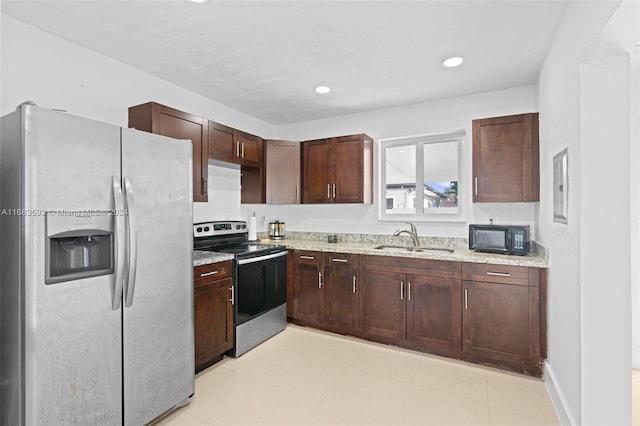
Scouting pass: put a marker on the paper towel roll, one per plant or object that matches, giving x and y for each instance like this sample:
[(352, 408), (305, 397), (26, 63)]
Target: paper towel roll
[(253, 235)]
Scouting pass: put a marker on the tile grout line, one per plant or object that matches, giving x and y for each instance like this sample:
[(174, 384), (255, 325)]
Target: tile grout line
[(486, 381), (406, 397), (330, 390)]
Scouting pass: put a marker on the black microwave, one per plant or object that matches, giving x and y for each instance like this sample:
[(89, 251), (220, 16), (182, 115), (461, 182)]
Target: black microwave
[(503, 239)]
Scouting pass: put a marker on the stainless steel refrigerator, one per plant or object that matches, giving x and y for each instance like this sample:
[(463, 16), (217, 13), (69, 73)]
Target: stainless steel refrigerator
[(96, 295)]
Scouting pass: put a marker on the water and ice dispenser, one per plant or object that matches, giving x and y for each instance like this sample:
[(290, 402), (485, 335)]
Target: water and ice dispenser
[(78, 246)]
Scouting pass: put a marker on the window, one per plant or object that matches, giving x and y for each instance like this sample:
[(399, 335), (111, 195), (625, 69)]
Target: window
[(435, 159)]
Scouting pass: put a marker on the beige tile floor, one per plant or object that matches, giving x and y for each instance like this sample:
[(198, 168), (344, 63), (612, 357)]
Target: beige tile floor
[(308, 377)]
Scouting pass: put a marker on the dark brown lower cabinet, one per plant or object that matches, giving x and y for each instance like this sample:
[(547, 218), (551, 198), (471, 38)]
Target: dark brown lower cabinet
[(325, 290), (413, 303), (213, 312), (308, 282), (496, 319), (382, 313), (502, 320), (418, 311), (488, 314), (434, 312), (341, 292)]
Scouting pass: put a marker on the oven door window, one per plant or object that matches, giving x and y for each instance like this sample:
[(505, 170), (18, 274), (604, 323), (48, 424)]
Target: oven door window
[(261, 286)]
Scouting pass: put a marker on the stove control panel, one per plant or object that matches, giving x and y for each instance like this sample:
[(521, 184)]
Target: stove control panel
[(209, 229)]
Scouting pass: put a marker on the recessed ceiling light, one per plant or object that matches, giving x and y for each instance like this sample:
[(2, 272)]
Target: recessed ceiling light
[(453, 62), (322, 89), (198, 1)]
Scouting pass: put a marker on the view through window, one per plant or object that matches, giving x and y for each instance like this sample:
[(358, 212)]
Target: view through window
[(421, 176)]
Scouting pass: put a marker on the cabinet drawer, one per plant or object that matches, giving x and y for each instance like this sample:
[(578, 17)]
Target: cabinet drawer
[(309, 257), (407, 265), (340, 259), (503, 274), (212, 272)]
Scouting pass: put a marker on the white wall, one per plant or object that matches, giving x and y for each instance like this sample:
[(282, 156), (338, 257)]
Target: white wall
[(425, 118), (54, 73), (223, 194), (584, 106)]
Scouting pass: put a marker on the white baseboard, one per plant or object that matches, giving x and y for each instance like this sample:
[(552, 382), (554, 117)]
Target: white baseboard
[(557, 398)]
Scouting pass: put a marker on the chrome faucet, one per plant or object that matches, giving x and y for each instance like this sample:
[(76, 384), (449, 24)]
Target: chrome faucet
[(413, 233)]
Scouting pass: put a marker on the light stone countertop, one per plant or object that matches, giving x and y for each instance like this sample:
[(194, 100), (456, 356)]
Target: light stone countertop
[(365, 243), (461, 253), (201, 257)]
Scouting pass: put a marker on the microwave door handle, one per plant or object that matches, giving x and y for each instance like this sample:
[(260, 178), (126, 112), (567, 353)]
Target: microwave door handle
[(132, 242), (120, 248)]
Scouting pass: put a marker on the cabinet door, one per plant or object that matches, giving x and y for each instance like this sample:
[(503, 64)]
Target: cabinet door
[(348, 176), (434, 312), (213, 315), (317, 177), (251, 149), (382, 305), (176, 124), (282, 166), (341, 298), (223, 144), (506, 159), (308, 299), (252, 188), (159, 119), (497, 321)]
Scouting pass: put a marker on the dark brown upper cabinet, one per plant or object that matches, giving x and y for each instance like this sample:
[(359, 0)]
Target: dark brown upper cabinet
[(338, 170), (282, 172), (156, 118), (223, 144), (506, 159), (235, 146)]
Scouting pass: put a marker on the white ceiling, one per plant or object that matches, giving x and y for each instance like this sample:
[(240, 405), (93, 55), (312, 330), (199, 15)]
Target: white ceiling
[(264, 58)]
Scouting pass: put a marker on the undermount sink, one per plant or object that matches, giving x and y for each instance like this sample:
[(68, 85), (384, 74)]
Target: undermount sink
[(414, 249)]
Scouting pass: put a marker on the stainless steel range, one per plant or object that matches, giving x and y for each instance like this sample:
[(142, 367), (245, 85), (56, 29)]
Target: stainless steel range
[(259, 283)]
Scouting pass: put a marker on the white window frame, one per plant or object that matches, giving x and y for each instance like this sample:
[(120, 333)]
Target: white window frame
[(419, 141)]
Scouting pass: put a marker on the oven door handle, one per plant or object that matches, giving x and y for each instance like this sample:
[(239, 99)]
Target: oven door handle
[(261, 258)]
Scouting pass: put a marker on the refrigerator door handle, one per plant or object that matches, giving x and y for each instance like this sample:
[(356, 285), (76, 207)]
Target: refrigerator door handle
[(132, 234), (119, 229)]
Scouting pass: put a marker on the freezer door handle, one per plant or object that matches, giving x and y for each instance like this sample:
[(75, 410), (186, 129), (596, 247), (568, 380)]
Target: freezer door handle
[(120, 249), (132, 240)]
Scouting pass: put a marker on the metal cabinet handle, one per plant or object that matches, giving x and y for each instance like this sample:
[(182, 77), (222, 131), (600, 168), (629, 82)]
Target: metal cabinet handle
[(409, 291), (466, 298), (354, 284), (401, 290), (237, 148), (207, 274), (499, 274), (242, 155), (328, 190), (319, 279), (205, 186), (334, 190), (297, 193), (339, 260), (307, 257), (475, 183), (233, 298)]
